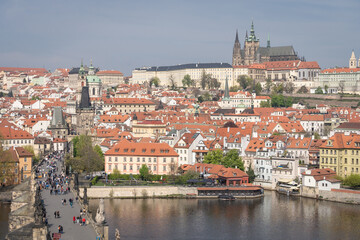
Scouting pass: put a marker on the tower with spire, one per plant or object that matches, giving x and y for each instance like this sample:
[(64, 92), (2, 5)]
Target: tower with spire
[(237, 60), (251, 46), (352, 61)]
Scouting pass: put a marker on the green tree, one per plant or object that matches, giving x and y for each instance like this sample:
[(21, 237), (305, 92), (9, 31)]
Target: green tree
[(352, 181), (278, 89), (319, 90), (258, 88), (206, 96), (86, 159), (35, 98), (7, 166), (233, 160), (187, 176), (234, 88), (266, 104), (98, 150), (187, 81), (200, 99), (154, 81), (30, 148), (250, 172), (289, 87), (268, 85), (316, 135), (144, 173), (213, 83), (326, 87), (115, 174), (244, 81), (303, 89), (214, 157), (278, 100), (205, 79)]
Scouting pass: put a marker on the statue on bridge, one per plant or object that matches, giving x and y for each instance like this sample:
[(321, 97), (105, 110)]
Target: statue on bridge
[(100, 214)]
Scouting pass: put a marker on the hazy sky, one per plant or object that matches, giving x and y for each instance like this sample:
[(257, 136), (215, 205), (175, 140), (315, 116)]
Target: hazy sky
[(123, 35)]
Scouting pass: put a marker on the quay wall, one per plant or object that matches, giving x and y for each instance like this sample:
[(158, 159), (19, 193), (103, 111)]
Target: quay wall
[(335, 195), (264, 185), (136, 191), (5, 196)]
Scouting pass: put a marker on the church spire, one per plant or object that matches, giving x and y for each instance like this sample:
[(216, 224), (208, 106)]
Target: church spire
[(237, 36), (246, 36), (226, 94), (352, 61), (268, 41)]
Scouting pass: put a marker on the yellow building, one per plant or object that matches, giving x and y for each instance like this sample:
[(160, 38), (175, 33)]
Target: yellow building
[(341, 153), (148, 128), (16, 164)]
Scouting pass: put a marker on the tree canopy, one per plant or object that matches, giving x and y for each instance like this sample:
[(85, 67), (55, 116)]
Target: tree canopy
[(319, 90), (154, 81), (144, 173), (230, 159), (352, 181), (245, 82), (187, 81), (278, 100), (86, 158)]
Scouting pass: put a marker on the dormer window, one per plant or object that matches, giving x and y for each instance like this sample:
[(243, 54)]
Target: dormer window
[(143, 150), (133, 150), (126, 150)]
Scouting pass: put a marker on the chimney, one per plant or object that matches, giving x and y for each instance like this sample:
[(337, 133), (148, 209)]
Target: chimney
[(228, 129), (302, 136)]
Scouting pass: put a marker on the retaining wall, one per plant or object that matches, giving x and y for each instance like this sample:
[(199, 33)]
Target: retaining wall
[(335, 195), (136, 191)]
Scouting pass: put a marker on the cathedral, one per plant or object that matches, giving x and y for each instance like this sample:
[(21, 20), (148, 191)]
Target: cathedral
[(253, 53)]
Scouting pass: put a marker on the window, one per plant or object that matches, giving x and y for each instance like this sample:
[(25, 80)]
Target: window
[(124, 159), (138, 167), (345, 161), (116, 159), (125, 167), (164, 168), (149, 159), (143, 159), (164, 160), (116, 166), (154, 160), (131, 159), (154, 168), (131, 167), (109, 159), (138, 159), (109, 166)]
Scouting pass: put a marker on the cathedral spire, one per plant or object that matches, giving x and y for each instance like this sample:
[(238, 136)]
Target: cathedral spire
[(226, 94), (246, 36), (237, 36), (268, 41)]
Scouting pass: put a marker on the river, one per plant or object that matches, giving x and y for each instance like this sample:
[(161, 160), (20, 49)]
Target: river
[(272, 217), (4, 217)]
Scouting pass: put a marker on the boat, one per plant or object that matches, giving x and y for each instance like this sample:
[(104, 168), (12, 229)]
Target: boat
[(288, 187)]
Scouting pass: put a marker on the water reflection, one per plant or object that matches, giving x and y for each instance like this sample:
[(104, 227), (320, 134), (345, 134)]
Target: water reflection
[(4, 217), (273, 217)]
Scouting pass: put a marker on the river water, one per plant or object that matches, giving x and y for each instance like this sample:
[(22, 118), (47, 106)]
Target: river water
[(272, 217), (4, 217)]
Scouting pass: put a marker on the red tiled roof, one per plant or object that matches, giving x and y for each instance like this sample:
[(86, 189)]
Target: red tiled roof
[(126, 148)]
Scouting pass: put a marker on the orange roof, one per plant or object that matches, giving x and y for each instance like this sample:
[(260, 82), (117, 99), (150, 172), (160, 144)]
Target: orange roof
[(113, 118), (126, 148), (11, 131), (340, 141), (316, 117), (117, 101), (340, 70), (105, 72)]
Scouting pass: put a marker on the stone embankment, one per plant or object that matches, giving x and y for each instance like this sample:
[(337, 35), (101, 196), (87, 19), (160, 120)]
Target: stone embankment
[(335, 195), (5, 196), (137, 191)]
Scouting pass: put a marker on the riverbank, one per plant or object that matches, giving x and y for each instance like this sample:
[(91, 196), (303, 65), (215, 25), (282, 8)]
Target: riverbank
[(134, 192), (334, 195), (5, 196)]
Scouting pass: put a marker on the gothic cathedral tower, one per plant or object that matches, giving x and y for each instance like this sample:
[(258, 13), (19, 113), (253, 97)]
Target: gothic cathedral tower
[(236, 60), (251, 47)]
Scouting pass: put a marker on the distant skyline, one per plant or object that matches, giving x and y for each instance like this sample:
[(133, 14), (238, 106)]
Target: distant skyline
[(123, 35)]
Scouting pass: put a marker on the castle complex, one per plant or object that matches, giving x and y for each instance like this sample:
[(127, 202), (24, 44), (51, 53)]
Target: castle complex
[(253, 53)]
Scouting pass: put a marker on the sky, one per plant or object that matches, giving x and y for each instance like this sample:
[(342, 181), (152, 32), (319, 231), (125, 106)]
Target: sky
[(123, 35)]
